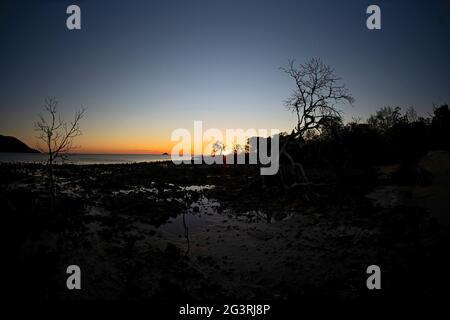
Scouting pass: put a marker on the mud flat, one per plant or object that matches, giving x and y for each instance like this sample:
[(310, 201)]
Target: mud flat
[(165, 232)]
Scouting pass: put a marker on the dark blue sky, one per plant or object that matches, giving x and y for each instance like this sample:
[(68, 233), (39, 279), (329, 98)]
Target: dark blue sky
[(144, 68)]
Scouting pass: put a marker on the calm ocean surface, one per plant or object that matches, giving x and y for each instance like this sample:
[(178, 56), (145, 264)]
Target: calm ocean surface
[(85, 158)]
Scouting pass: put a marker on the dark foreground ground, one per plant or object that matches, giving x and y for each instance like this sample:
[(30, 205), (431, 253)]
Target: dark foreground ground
[(211, 233)]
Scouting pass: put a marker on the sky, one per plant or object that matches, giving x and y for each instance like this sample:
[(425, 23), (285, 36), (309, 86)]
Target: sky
[(145, 68)]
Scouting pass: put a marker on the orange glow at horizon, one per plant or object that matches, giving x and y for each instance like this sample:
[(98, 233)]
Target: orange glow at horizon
[(102, 138), (130, 145), (122, 146)]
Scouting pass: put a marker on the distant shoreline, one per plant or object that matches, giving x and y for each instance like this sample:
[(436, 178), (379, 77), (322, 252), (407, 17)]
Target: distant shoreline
[(84, 158)]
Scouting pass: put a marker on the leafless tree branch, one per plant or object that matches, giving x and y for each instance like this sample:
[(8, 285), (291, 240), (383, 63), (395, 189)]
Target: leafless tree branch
[(317, 94), (56, 136)]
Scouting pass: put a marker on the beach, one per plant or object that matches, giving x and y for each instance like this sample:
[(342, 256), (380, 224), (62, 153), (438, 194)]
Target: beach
[(210, 233)]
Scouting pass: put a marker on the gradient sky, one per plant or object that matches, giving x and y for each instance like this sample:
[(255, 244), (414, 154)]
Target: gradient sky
[(145, 68)]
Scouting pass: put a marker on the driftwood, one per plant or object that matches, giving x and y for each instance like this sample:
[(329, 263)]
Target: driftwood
[(291, 172)]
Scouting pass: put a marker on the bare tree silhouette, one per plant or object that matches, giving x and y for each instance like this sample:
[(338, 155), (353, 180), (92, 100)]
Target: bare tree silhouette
[(218, 147), (315, 99), (57, 136)]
